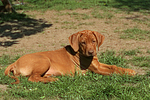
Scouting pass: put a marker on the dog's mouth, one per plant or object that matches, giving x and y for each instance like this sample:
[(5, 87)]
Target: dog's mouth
[(90, 55)]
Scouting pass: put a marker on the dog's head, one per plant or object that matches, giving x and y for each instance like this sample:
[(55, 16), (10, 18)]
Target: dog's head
[(86, 41)]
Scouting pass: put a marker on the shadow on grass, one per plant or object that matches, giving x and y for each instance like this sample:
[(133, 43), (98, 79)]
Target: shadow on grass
[(132, 5), (15, 25)]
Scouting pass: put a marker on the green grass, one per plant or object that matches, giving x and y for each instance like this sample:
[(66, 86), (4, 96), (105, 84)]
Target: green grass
[(60, 4), (148, 51), (69, 27), (12, 16), (75, 15), (135, 58), (145, 21), (130, 52), (136, 34), (6, 59), (91, 86), (125, 5), (109, 57), (68, 22), (100, 15), (138, 5), (86, 23), (142, 61)]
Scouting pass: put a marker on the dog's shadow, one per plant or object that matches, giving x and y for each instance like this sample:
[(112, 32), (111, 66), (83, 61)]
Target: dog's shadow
[(15, 25)]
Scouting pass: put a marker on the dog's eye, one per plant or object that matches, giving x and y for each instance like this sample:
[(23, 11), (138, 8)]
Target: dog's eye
[(93, 41), (83, 43)]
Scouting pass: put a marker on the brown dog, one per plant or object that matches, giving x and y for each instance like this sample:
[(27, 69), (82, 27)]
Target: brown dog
[(80, 56)]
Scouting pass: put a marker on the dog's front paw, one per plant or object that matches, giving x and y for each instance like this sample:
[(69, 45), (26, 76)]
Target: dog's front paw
[(130, 72)]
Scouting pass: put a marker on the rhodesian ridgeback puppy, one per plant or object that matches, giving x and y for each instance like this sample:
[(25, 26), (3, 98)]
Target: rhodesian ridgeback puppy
[(79, 56)]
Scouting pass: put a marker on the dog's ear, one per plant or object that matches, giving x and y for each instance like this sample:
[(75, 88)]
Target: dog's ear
[(100, 38), (74, 41)]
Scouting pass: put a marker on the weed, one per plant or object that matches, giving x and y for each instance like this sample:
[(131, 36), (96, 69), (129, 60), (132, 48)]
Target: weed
[(6, 59), (63, 45), (69, 27), (108, 22), (136, 34), (85, 23), (145, 21), (56, 21), (131, 52), (85, 16), (100, 15), (67, 22), (148, 51), (11, 16), (97, 15), (148, 25), (141, 61), (78, 16), (39, 45)]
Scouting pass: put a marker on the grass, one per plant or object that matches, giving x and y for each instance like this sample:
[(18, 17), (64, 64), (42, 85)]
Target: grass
[(136, 59), (69, 27), (109, 57), (136, 34), (138, 5), (142, 61), (91, 86), (100, 15), (68, 22), (12, 16), (75, 15), (6, 59), (148, 51), (59, 4), (130, 52), (86, 23), (145, 21)]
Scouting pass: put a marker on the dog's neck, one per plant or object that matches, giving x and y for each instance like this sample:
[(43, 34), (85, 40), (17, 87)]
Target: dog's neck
[(80, 60)]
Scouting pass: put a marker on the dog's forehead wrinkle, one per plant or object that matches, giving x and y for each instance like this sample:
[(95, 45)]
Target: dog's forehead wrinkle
[(87, 37)]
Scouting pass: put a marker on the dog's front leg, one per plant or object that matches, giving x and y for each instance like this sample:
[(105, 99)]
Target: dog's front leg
[(105, 69)]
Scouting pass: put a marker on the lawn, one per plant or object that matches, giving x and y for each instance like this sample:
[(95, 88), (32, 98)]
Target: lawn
[(91, 86)]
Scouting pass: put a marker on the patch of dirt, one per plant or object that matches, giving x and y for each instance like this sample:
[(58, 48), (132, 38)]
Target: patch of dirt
[(3, 87), (50, 31)]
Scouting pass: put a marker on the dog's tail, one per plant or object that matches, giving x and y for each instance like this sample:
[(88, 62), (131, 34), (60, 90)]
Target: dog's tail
[(10, 69)]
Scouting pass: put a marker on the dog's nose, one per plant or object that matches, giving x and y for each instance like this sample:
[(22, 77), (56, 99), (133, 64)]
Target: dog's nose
[(90, 52)]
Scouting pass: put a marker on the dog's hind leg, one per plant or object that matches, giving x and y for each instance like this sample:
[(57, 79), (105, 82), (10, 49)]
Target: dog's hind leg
[(37, 78)]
